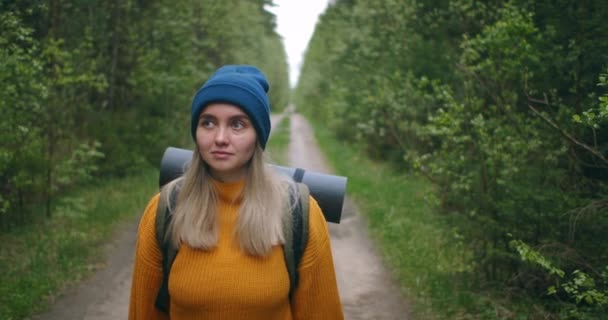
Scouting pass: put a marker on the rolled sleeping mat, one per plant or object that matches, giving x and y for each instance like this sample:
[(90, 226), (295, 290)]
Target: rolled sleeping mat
[(327, 189)]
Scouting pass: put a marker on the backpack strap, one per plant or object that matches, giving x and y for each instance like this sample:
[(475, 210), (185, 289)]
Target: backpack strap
[(163, 217), (304, 192), (295, 230)]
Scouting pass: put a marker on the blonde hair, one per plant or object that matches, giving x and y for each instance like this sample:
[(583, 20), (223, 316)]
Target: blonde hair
[(264, 202)]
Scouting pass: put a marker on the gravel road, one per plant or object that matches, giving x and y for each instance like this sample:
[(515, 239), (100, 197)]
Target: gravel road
[(366, 287)]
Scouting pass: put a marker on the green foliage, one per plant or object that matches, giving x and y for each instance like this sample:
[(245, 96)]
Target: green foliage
[(81, 166), (582, 288), (21, 108), (116, 76), (38, 260), (594, 118), (581, 295), (496, 103), (530, 255), (430, 258), (91, 91)]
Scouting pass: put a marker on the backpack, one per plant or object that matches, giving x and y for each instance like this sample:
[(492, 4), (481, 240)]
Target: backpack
[(295, 232)]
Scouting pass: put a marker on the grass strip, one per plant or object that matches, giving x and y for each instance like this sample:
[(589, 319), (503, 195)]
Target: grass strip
[(278, 143), (428, 258), (40, 259)]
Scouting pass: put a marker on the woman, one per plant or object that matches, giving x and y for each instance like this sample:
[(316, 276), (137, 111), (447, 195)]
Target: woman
[(227, 221)]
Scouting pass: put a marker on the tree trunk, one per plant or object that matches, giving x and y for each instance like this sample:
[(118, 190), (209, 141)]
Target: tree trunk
[(115, 22)]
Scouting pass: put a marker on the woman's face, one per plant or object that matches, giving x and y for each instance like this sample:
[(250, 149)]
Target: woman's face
[(226, 140)]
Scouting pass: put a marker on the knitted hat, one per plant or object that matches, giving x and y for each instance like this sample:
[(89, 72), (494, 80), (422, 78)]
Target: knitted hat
[(241, 85)]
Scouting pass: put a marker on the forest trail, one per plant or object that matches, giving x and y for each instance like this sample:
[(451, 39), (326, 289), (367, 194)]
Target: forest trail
[(367, 290), (105, 295)]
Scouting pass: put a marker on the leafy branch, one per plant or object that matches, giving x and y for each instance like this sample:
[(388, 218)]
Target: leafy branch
[(563, 132)]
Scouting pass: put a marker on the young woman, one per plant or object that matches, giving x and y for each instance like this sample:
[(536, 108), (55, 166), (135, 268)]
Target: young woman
[(227, 222)]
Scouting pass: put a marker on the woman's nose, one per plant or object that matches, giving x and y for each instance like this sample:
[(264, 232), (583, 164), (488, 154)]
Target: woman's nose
[(221, 135)]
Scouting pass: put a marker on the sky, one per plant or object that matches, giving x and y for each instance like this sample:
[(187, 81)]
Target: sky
[(296, 21)]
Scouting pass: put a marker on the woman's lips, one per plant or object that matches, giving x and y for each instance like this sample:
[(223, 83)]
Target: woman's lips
[(221, 154)]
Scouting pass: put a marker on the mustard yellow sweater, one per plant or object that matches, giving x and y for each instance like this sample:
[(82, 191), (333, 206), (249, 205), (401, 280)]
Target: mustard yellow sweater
[(226, 283)]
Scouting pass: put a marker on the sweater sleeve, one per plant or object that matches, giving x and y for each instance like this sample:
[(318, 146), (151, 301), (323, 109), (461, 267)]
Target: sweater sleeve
[(316, 296), (147, 270)]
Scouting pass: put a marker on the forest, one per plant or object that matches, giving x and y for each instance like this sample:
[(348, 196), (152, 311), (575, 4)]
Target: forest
[(95, 89), (501, 105)]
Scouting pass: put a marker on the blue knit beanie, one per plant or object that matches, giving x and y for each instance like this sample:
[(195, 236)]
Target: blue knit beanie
[(241, 85)]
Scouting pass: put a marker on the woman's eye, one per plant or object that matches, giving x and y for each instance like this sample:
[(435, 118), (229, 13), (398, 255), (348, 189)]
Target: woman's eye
[(206, 123), (238, 124)]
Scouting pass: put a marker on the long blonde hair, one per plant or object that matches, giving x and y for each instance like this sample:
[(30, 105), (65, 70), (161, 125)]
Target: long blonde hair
[(265, 200)]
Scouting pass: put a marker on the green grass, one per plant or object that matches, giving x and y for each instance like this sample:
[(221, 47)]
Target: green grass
[(40, 259), (425, 254), (279, 142)]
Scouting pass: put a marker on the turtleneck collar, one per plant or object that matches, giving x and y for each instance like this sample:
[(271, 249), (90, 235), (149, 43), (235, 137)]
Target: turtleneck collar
[(229, 191)]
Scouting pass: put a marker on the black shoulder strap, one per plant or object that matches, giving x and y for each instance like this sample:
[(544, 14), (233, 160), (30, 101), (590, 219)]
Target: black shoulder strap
[(163, 216), (296, 234), (301, 242)]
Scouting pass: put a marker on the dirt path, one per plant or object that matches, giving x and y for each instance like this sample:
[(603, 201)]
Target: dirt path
[(104, 296), (366, 288)]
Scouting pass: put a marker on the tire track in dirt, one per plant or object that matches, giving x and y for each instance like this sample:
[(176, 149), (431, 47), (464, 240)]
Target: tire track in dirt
[(105, 295), (367, 289)]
